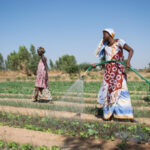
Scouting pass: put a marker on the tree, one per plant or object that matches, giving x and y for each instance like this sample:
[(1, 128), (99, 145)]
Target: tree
[(12, 61), (32, 50), (84, 66), (72, 69), (65, 61), (67, 64), (24, 57), (52, 66), (33, 61), (23, 60), (23, 53), (1, 62)]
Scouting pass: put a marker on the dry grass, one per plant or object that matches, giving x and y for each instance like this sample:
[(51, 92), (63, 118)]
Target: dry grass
[(61, 76)]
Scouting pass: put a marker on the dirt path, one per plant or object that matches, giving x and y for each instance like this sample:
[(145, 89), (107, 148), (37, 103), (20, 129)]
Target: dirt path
[(38, 138)]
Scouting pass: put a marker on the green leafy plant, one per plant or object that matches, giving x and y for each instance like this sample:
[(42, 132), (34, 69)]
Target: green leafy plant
[(13, 145), (55, 148), (26, 147), (1, 144), (41, 148)]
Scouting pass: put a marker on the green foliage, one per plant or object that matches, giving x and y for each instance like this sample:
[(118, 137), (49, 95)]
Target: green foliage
[(65, 61), (83, 134), (112, 138), (67, 64), (24, 57), (1, 144), (92, 132), (106, 126), (1, 62), (84, 66), (33, 61), (76, 128), (13, 145), (52, 65), (23, 60), (55, 148), (23, 54), (32, 50), (12, 62), (72, 69), (28, 61), (132, 128), (26, 147), (42, 148)]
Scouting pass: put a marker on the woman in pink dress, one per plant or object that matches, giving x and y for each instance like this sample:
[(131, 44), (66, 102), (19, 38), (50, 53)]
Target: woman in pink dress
[(41, 83)]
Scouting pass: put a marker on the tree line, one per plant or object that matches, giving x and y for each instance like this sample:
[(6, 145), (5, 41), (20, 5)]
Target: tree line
[(27, 61)]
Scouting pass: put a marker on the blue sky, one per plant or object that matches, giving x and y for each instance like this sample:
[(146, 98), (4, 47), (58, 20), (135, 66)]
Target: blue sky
[(75, 26)]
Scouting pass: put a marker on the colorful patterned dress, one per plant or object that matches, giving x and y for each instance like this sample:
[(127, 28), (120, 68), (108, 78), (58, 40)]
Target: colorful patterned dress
[(42, 83), (114, 94)]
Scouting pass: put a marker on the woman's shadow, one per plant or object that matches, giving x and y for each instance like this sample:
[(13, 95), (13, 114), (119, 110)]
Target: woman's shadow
[(45, 101), (99, 114)]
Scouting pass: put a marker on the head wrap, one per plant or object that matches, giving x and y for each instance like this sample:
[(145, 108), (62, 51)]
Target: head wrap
[(41, 49), (100, 49), (110, 31)]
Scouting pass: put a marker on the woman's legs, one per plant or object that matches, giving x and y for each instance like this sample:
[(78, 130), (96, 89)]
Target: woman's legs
[(41, 89), (37, 90), (36, 94)]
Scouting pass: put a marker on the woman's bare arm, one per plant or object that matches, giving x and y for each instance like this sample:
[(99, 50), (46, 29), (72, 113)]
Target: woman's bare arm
[(46, 67), (45, 63), (131, 51)]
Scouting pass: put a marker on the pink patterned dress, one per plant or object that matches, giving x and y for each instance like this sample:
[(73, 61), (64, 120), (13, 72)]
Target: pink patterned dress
[(41, 81)]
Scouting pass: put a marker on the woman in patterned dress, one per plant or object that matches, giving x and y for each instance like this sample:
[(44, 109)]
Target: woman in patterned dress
[(114, 94), (41, 82)]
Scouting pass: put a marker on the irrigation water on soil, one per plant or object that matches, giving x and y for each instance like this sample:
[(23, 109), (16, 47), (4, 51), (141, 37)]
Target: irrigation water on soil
[(74, 95)]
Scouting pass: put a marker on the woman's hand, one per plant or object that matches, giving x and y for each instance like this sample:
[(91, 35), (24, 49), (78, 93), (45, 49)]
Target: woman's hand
[(128, 65), (94, 65)]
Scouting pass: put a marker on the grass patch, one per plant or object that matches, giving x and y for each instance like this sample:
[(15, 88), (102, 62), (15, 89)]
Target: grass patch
[(61, 86)]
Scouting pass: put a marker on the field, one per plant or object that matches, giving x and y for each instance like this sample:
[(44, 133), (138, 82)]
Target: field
[(69, 122)]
